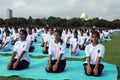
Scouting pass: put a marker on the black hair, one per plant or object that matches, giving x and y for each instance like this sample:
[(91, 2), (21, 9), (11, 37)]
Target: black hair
[(6, 30), (51, 28), (76, 33), (60, 33), (88, 34), (97, 33), (30, 28), (23, 31)]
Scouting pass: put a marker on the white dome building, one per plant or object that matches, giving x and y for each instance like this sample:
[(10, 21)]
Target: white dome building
[(84, 16), (100, 17), (68, 18)]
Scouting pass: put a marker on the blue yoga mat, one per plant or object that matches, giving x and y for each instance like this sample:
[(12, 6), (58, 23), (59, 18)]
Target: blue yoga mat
[(81, 55), (74, 71), (38, 52), (8, 52)]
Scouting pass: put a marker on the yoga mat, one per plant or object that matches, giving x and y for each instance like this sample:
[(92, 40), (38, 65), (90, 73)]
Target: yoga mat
[(38, 52), (81, 55), (74, 71), (7, 52)]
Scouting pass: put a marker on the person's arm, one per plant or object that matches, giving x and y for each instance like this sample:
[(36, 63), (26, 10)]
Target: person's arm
[(31, 43), (45, 45), (59, 58), (76, 48), (88, 61), (95, 70), (18, 59), (85, 41), (21, 55), (12, 58), (55, 66), (71, 49), (3, 45), (89, 70), (50, 59), (15, 40), (67, 39)]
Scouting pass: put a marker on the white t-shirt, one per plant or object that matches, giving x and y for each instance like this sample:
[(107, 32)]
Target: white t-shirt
[(88, 39), (1, 36), (22, 46), (94, 51), (56, 49), (30, 38), (44, 36), (7, 39), (65, 37), (16, 36), (35, 35), (106, 34), (82, 39), (49, 38), (101, 36), (74, 42)]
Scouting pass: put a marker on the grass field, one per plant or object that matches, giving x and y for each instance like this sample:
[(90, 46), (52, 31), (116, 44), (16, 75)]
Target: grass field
[(112, 55)]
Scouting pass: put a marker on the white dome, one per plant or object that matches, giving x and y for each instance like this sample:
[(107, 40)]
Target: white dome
[(68, 17), (100, 17), (84, 16)]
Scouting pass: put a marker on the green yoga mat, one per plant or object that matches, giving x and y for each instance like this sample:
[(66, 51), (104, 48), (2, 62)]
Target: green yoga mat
[(74, 71)]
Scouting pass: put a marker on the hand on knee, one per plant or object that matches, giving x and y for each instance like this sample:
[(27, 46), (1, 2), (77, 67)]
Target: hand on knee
[(55, 68), (95, 71), (48, 67), (89, 70)]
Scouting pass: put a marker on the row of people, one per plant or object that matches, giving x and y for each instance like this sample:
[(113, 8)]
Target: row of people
[(94, 52), (75, 39)]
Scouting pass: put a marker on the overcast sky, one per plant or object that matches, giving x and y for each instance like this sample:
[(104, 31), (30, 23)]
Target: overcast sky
[(108, 9)]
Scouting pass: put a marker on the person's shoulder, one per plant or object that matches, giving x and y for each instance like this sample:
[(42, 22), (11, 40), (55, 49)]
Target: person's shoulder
[(89, 45), (101, 45), (17, 42)]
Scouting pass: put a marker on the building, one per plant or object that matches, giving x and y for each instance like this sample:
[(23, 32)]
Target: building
[(68, 18), (84, 16), (9, 13)]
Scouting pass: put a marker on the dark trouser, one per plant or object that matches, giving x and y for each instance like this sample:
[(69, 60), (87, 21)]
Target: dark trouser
[(35, 40), (21, 65), (0, 41), (42, 45), (60, 68), (31, 49), (13, 42), (45, 52), (82, 47), (67, 45), (100, 68)]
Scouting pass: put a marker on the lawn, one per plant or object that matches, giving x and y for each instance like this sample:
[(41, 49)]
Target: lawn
[(112, 55)]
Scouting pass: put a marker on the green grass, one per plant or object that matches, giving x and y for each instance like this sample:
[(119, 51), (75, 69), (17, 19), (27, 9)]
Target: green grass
[(112, 55)]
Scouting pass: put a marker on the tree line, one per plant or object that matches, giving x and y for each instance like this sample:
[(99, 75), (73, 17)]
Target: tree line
[(60, 22)]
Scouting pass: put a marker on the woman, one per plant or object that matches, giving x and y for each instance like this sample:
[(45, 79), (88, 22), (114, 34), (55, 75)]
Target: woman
[(6, 43), (74, 45), (94, 53), (20, 58), (49, 38), (15, 36), (31, 38), (57, 60)]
